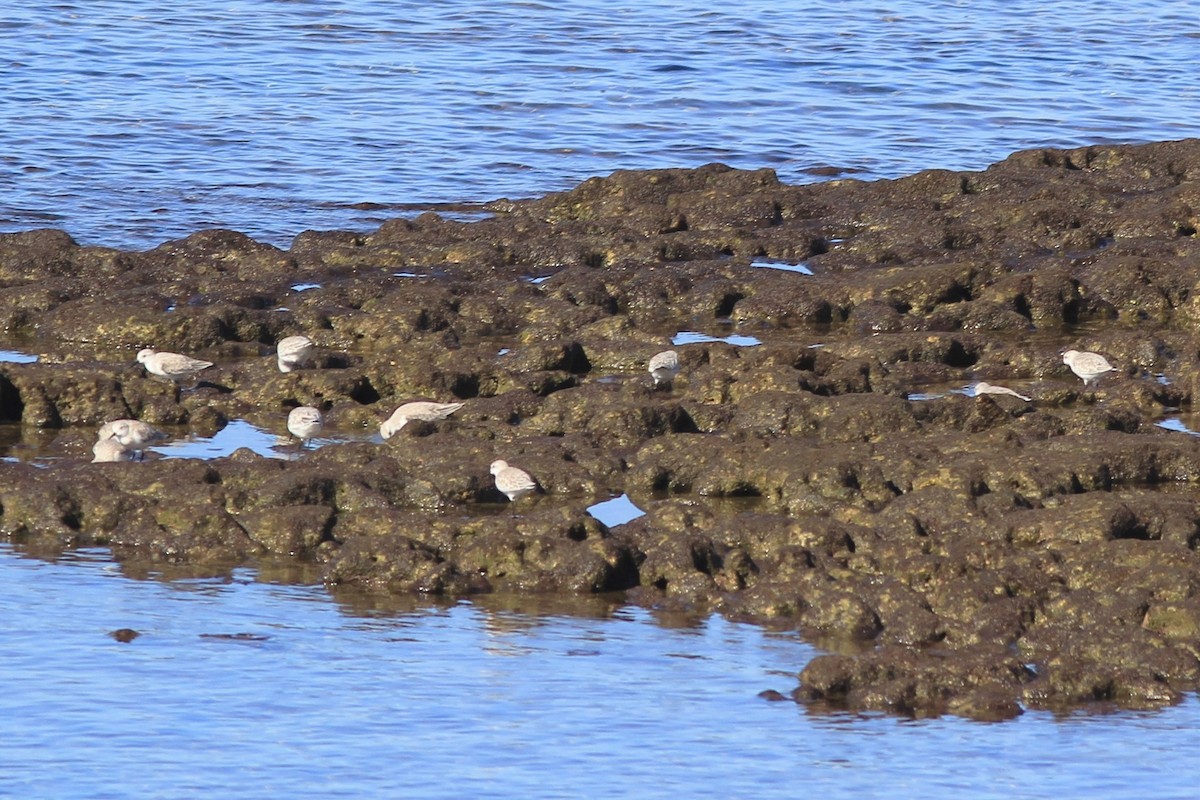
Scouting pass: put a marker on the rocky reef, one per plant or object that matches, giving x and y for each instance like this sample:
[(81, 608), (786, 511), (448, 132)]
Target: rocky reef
[(825, 469)]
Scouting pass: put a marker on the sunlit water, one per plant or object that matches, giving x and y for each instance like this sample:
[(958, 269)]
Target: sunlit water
[(239, 434), (129, 123), (132, 123), (244, 689), (695, 337), (17, 357)]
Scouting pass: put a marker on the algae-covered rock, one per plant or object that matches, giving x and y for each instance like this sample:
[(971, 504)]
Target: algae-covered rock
[(822, 461)]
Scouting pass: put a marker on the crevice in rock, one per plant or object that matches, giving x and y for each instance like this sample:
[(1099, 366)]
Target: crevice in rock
[(12, 407), (728, 301), (464, 387), (364, 393)]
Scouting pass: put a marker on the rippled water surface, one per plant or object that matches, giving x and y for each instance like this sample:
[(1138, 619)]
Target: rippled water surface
[(242, 688), (129, 123)]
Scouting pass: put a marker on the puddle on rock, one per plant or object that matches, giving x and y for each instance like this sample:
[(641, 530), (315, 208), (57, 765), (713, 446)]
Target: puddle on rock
[(694, 337), (616, 511), (304, 287), (17, 357), (239, 434), (431, 274), (942, 390), (1177, 424), (786, 266)]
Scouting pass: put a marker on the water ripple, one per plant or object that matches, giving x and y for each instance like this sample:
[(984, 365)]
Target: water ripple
[(236, 683), (277, 121)]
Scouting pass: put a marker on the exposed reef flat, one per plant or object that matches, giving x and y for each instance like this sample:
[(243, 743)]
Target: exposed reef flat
[(828, 471)]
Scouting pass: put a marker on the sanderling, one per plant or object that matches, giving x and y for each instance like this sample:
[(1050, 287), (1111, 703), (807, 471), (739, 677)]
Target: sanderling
[(107, 450), (293, 352), (422, 410), (132, 434), (664, 367), (305, 423), (174, 366), (513, 482), (1088, 366), (989, 388)]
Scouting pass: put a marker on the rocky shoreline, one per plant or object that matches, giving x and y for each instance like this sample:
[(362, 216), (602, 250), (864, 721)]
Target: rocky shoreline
[(973, 555)]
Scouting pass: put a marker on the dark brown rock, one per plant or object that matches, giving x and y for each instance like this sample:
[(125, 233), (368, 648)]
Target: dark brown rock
[(959, 554)]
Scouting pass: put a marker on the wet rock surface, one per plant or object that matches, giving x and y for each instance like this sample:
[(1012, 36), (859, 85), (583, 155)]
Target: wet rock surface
[(950, 553)]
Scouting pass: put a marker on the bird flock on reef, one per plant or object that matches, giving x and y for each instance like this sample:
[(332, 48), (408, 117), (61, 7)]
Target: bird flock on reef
[(128, 439)]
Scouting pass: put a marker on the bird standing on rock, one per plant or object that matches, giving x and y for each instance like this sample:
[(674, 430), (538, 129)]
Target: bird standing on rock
[(984, 387), (1088, 366), (305, 423), (132, 434), (421, 410), (664, 367), (110, 450), (514, 483), (173, 366), (293, 352)]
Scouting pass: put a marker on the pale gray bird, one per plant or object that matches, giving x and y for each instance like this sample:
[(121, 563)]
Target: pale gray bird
[(305, 423), (173, 366), (988, 388), (422, 410), (110, 450), (1088, 366), (132, 434), (513, 482), (293, 352), (664, 367)]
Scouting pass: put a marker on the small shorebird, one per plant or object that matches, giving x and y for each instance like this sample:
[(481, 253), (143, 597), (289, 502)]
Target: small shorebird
[(421, 410), (513, 482), (132, 434), (110, 450), (989, 388), (174, 366), (293, 352), (664, 367), (1088, 366), (305, 423)]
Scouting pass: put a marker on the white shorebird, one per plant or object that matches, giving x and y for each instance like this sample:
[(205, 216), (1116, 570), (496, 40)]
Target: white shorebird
[(988, 388), (513, 482), (1088, 366), (173, 366), (293, 352), (305, 423), (422, 410), (664, 367), (110, 450), (132, 434)]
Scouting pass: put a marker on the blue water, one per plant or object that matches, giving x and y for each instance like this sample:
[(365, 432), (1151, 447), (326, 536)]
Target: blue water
[(695, 337), (129, 123), (17, 357), (616, 511), (245, 689)]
